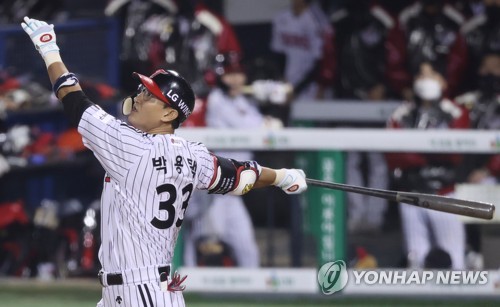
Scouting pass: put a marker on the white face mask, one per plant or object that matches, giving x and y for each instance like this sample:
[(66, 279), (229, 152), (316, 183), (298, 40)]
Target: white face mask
[(427, 89)]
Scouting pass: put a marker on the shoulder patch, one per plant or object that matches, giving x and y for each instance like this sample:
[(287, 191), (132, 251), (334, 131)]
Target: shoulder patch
[(175, 140)]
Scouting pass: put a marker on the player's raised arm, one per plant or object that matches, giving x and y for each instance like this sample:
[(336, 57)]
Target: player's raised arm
[(63, 82), (44, 38), (106, 136)]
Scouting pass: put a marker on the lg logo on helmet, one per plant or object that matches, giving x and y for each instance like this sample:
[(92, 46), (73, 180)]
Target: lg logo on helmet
[(181, 105), (46, 38), (172, 96)]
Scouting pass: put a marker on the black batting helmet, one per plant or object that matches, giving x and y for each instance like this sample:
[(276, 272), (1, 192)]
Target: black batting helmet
[(169, 87)]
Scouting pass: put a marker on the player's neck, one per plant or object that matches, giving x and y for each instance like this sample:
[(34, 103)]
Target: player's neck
[(162, 130)]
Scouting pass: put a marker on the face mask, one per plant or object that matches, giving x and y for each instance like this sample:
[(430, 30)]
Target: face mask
[(489, 85), (427, 89)]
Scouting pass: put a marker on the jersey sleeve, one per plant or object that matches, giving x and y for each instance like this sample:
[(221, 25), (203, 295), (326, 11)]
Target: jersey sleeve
[(205, 168), (115, 144)]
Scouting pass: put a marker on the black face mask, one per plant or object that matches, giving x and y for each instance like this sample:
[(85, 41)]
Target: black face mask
[(489, 85)]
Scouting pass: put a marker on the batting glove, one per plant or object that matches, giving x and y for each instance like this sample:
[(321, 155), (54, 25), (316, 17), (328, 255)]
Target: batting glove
[(176, 283), (292, 181), (42, 35)]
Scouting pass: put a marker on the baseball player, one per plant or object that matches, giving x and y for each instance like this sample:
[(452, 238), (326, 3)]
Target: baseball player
[(297, 33), (150, 175), (425, 230), (235, 111)]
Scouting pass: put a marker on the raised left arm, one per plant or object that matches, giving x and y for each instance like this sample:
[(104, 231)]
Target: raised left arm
[(44, 38)]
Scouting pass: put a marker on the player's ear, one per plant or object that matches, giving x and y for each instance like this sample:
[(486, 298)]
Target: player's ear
[(169, 115)]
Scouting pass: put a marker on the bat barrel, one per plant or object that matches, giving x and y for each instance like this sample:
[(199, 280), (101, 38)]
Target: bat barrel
[(436, 202), (447, 204)]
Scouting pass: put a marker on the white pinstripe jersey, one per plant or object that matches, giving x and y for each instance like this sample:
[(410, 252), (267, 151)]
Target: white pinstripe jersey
[(149, 179)]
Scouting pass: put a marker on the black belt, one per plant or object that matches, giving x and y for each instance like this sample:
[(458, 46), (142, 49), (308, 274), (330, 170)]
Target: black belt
[(114, 279)]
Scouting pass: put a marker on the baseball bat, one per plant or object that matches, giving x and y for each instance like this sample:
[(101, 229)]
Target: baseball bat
[(464, 207)]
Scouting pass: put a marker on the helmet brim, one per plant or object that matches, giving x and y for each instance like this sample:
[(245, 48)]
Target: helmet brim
[(152, 87)]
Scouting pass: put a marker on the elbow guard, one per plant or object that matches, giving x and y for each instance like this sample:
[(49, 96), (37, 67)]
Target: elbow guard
[(233, 177)]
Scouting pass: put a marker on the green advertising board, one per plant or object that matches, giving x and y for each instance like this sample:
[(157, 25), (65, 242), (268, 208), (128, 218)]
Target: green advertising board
[(325, 208)]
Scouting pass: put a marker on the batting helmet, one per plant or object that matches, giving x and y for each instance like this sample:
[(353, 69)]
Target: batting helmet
[(169, 87)]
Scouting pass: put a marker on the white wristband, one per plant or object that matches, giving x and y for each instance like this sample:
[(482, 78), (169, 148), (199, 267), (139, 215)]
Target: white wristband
[(280, 175), (52, 57)]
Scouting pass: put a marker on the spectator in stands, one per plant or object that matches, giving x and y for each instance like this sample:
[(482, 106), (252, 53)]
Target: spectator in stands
[(180, 35), (482, 34), (424, 229), (484, 109), (137, 42), (226, 217), (432, 31), (298, 37), (369, 51)]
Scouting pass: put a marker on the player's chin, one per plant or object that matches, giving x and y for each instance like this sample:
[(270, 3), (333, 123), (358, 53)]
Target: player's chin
[(132, 119)]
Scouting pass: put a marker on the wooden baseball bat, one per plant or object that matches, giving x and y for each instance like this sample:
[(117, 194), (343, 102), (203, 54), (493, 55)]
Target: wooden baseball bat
[(464, 207)]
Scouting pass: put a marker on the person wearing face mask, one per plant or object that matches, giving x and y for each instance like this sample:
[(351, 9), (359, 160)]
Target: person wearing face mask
[(482, 34), (423, 229), (484, 109), (432, 34)]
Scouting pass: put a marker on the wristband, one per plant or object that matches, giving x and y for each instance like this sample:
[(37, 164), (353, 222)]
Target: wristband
[(65, 80), (51, 58), (280, 175)]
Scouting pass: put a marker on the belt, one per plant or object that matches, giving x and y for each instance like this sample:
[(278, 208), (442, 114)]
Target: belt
[(114, 279)]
